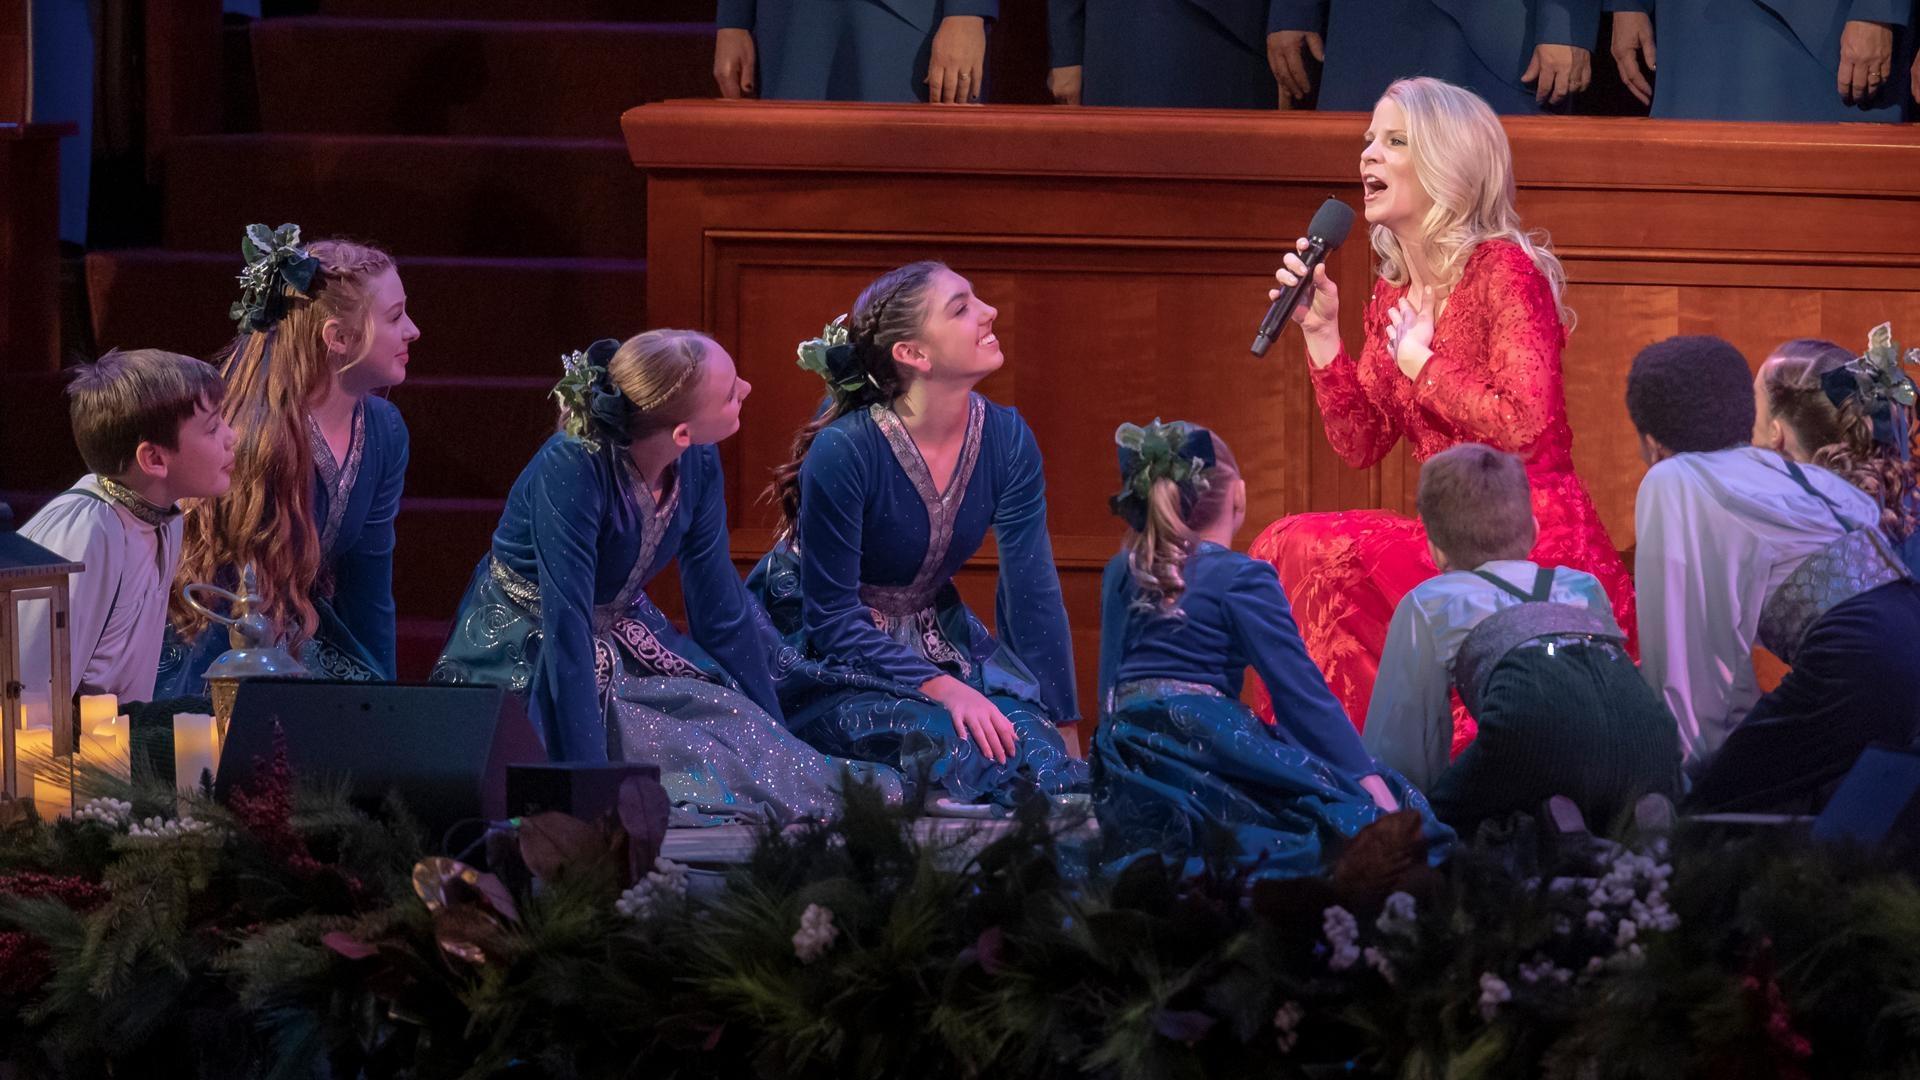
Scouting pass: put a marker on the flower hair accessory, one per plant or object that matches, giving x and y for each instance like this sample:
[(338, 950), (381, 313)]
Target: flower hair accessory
[(1877, 379), (593, 409), (1176, 451), (836, 358), (275, 258)]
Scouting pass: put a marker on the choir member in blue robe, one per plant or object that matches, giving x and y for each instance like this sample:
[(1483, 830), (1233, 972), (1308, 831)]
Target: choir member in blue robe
[(1513, 53), (853, 50), (1208, 54), (892, 489), (557, 610), (1178, 760), (1786, 60), (323, 330)]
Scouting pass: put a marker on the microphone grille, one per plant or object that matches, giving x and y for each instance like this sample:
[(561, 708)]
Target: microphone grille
[(1331, 223)]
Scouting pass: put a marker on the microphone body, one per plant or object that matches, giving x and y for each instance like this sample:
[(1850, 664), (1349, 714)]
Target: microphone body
[(1327, 231), (1281, 309)]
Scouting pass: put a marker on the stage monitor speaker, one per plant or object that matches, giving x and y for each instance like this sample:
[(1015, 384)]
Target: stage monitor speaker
[(588, 792), (1877, 802), (444, 749)]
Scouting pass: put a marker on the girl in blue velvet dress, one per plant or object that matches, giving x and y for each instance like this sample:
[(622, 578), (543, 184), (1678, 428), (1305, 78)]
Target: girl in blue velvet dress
[(318, 467), (890, 490), (558, 613), (1177, 758)]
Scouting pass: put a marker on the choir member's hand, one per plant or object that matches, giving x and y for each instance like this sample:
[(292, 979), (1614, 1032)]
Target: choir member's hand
[(1064, 84), (734, 62), (1410, 332), (1633, 36), (1558, 70), (1382, 795), (1916, 78), (974, 717), (1319, 316), (1866, 59), (1286, 55), (958, 61)]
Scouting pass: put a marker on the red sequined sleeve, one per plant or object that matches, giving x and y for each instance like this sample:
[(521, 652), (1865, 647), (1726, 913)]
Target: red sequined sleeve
[(1498, 379), (1360, 432)]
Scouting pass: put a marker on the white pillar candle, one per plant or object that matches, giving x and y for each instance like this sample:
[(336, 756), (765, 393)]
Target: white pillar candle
[(196, 748), (97, 710), (34, 711)]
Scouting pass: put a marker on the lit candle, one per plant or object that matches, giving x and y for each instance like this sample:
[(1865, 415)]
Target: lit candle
[(52, 796), (33, 750), (34, 711), (196, 749), (101, 750), (97, 710)]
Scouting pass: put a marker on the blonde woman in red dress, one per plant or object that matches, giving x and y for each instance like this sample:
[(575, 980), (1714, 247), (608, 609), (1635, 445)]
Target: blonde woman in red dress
[(1463, 335)]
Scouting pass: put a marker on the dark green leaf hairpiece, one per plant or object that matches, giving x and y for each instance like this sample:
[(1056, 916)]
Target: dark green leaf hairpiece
[(834, 357), (277, 264), (1175, 450)]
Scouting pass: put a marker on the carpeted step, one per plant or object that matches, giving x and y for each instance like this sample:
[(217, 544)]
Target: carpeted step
[(178, 300), (437, 543), (412, 77), (36, 442), (472, 436), (413, 195), (571, 10)]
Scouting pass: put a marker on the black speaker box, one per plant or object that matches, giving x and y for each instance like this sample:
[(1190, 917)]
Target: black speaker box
[(588, 792), (444, 749)]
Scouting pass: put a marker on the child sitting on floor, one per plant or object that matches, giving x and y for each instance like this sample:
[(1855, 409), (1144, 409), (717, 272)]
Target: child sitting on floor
[(1535, 654), (148, 425)]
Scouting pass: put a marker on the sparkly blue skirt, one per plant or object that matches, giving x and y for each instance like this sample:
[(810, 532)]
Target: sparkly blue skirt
[(863, 715), (1177, 768), (668, 703)]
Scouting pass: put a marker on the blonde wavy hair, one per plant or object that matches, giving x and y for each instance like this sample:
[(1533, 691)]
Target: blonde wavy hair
[(273, 378), (1157, 554), (1461, 157)]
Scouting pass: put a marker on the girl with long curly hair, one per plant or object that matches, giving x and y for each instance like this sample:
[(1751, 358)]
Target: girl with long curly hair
[(319, 464)]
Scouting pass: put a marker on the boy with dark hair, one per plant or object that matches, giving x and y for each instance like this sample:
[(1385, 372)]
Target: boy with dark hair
[(1535, 654), (148, 426), (1737, 544)]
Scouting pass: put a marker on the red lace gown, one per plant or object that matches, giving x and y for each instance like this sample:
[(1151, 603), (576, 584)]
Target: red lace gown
[(1494, 378)]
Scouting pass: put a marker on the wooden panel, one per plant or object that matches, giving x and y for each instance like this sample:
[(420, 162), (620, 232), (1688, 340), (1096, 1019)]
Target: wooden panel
[(1129, 252), (30, 246), (16, 61)]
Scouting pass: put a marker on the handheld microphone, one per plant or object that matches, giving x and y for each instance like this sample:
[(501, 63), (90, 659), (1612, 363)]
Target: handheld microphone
[(1329, 229)]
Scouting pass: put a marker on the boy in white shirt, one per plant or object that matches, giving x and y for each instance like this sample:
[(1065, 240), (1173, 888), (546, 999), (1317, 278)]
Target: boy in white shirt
[(1535, 654), (148, 425)]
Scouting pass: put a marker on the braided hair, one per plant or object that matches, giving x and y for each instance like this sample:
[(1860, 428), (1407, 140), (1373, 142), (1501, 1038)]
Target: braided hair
[(890, 310), (1840, 437)]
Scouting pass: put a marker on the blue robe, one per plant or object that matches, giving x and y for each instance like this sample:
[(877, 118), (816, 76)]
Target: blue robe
[(869, 612), (354, 505), (557, 612), (844, 50), (1178, 760), (1771, 60), (1483, 45), (1207, 54)]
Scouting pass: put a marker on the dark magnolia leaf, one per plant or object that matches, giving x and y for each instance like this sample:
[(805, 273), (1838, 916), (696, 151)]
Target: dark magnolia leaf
[(552, 841), (643, 813), (467, 932), (349, 946), (1145, 884), (1379, 856), (1185, 1026)]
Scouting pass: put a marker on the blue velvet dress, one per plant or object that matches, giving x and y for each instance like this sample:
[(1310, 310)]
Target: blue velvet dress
[(1207, 54), (1483, 45), (1178, 759), (558, 612), (1768, 59), (868, 609), (355, 501), (844, 50)]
